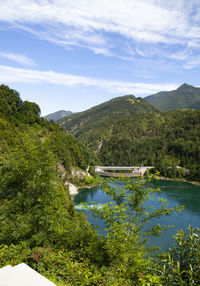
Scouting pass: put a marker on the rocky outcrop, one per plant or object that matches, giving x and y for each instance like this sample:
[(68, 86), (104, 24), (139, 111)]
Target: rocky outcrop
[(80, 174), (73, 190)]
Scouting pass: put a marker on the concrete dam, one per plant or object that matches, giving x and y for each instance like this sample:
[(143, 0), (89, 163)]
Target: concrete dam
[(131, 171)]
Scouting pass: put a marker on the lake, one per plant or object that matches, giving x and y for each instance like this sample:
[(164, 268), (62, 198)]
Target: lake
[(175, 192)]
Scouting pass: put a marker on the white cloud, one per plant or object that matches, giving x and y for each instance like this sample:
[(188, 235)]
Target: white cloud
[(18, 58), (15, 75), (88, 23), (144, 20), (192, 63)]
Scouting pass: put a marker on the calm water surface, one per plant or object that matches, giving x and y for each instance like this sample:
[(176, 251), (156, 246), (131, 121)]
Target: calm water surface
[(175, 192)]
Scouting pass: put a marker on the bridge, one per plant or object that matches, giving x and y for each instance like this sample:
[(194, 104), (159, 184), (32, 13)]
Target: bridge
[(132, 171)]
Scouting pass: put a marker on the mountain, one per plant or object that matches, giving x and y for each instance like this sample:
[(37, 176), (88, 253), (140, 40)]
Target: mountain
[(95, 126), (57, 115), (82, 122), (128, 131), (20, 120), (185, 96)]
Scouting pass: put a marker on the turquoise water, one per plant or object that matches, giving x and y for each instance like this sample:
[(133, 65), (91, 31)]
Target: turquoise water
[(175, 192)]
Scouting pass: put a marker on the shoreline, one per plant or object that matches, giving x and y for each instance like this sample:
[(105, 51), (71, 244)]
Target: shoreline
[(87, 186), (179, 180), (74, 189)]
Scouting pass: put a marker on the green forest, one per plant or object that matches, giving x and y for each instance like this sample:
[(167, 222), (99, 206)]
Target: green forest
[(164, 141), (140, 135), (40, 226), (185, 96)]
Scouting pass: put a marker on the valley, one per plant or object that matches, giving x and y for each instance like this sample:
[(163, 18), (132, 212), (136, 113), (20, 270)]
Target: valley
[(128, 131), (41, 160)]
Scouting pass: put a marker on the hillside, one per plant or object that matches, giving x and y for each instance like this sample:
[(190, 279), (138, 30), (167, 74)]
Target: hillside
[(79, 124), (57, 115), (21, 119), (162, 140), (38, 222), (186, 96), (122, 133)]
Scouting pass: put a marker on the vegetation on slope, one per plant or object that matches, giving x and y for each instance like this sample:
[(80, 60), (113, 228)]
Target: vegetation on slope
[(39, 225), (20, 119), (80, 123), (141, 136), (162, 140), (186, 96), (66, 249)]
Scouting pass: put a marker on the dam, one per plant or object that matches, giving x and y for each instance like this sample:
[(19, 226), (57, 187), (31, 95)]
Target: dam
[(132, 171)]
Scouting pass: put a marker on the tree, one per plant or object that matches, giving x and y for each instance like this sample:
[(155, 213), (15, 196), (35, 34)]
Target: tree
[(127, 220), (34, 204), (181, 265)]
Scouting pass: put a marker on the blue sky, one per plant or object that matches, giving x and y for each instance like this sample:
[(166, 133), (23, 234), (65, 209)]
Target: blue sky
[(74, 54)]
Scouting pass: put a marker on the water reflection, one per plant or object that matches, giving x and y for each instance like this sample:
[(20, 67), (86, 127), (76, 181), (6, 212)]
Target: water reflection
[(85, 193), (181, 193)]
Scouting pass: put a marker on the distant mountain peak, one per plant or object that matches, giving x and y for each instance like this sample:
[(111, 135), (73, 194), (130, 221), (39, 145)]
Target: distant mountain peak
[(57, 115), (184, 86), (185, 96), (104, 114)]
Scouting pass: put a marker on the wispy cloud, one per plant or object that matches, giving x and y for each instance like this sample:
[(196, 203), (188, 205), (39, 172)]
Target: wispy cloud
[(18, 58), (15, 75), (192, 63), (96, 24)]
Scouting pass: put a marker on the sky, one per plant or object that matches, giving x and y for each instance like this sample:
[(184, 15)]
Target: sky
[(74, 54)]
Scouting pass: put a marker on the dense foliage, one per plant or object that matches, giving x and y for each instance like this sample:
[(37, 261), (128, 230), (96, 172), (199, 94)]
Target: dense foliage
[(38, 222), (186, 96), (144, 137), (165, 140), (36, 209), (19, 119), (73, 254), (181, 265), (81, 123)]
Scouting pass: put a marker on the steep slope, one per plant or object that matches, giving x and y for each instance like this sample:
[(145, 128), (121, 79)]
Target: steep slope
[(186, 96), (195, 105), (163, 138), (128, 131), (21, 119), (37, 213), (57, 115), (80, 123)]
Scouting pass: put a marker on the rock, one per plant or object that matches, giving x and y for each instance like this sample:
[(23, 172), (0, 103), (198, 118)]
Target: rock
[(61, 170), (72, 189), (80, 174)]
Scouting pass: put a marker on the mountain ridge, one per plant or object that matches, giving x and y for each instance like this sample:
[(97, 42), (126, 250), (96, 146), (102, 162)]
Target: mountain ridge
[(185, 96), (99, 114), (129, 131)]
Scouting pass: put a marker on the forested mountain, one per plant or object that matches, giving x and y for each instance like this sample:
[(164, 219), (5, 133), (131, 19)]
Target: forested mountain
[(186, 96), (140, 135), (38, 223), (57, 115), (20, 119), (82, 122), (37, 215), (163, 140)]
